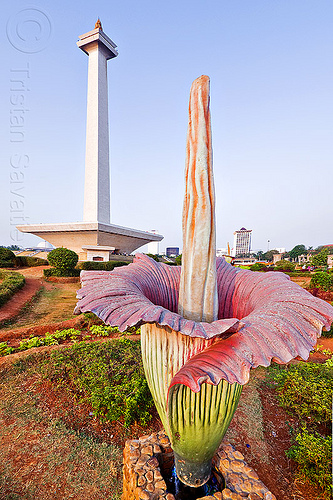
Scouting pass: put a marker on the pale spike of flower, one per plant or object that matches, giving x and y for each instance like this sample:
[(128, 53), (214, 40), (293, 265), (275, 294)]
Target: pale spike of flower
[(198, 299)]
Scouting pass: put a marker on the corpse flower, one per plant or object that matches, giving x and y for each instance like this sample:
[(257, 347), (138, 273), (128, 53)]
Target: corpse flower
[(204, 324)]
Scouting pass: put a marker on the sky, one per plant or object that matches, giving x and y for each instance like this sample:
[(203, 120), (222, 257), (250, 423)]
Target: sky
[(270, 66)]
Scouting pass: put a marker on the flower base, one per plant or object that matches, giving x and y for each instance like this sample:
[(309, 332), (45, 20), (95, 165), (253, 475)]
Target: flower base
[(149, 460)]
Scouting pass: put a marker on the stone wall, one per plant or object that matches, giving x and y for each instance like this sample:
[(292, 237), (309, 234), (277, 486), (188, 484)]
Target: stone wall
[(148, 458)]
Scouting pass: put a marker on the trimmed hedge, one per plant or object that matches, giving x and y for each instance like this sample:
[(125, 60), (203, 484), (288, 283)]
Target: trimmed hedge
[(101, 266), (61, 273), (12, 282), (7, 257), (24, 261)]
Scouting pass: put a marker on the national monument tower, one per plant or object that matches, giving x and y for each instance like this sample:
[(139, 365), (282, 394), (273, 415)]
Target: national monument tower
[(95, 238)]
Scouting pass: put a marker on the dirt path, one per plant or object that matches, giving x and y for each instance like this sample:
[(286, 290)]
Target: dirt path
[(55, 304), (21, 298)]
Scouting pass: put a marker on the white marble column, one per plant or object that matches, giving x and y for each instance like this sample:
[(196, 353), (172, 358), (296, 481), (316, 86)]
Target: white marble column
[(100, 48)]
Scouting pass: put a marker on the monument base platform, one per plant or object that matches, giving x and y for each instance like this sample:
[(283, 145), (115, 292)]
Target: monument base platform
[(99, 239)]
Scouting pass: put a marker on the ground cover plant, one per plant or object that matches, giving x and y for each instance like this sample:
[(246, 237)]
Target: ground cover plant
[(11, 282), (61, 336), (305, 391), (108, 375)]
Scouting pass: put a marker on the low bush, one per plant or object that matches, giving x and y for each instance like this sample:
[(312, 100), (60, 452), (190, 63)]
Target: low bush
[(63, 258), (108, 375), (306, 390), (153, 256), (322, 280), (313, 452), (105, 330), (284, 265), (61, 273), (258, 266), (24, 261), (7, 257), (12, 282), (101, 266)]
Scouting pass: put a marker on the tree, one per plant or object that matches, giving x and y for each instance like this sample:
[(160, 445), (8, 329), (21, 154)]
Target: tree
[(260, 255), (320, 259), (296, 251), (269, 255)]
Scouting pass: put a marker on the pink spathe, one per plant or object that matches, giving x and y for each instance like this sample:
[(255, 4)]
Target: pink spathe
[(261, 316)]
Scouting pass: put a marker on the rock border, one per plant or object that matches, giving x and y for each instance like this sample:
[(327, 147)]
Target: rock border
[(147, 458)]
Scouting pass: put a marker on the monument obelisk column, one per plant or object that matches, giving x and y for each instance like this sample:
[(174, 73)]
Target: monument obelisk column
[(95, 237), (100, 48)]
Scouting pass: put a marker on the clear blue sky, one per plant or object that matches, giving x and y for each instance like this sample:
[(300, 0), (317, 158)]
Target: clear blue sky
[(270, 64)]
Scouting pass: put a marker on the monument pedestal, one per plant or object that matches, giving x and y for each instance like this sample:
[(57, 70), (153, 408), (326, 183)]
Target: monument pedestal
[(93, 236)]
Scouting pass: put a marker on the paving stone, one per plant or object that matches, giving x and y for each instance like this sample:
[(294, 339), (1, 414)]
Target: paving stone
[(269, 496), (238, 455), (150, 487), (150, 476), (147, 450)]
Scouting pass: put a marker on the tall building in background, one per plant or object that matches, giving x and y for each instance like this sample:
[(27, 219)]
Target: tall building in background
[(242, 242), (172, 251)]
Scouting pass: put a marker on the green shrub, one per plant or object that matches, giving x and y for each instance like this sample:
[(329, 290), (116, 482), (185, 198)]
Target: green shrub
[(178, 260), (49, 339), (285, 265), (5, 349), (12, 282), (101, 266), (109, 375), (105, 330), (258, 266), (306, 390), (61, 273), (312, 452), (7, 257), (63, 258), (322, 280), (153, 256)]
